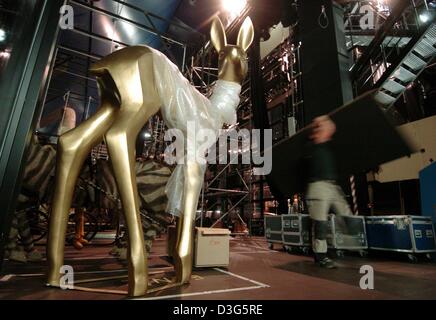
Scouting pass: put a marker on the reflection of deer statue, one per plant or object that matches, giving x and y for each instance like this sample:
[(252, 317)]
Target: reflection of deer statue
[(135, 83)]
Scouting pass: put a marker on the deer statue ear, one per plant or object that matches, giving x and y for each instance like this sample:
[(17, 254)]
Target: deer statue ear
[(246, 34), (218, 35)]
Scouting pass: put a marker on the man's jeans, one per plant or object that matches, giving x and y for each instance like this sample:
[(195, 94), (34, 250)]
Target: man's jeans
[(321, 196)]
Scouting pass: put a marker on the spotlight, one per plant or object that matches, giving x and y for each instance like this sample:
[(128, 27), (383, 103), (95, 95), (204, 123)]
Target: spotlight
[(2, 35), (5, 54), (424, 17), (234, 7)]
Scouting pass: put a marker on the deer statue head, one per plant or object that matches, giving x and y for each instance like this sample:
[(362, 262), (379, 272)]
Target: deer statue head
[(233, 63)]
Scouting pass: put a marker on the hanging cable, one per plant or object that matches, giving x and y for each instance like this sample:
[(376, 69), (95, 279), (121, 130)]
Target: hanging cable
[(323, 16), (120, 8), (113, 34), (66, 98)]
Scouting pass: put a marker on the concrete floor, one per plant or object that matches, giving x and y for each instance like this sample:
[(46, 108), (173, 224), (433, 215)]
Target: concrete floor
[(255, 273)]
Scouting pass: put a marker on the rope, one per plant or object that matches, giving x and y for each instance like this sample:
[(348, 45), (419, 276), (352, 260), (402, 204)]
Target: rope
[(323, 15), (67, 100)]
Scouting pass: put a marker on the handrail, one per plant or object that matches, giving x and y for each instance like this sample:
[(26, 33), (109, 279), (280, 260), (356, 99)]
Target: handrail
[(398, 59), (379, 37)]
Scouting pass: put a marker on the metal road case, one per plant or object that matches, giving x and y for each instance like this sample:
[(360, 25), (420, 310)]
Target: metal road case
[(273, 230), (408, 234), (296, 232), (347, 233)]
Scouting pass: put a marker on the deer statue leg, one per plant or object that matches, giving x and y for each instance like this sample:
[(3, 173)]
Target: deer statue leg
[(135, 83), (73, 148), (121, 142), (185, 233)]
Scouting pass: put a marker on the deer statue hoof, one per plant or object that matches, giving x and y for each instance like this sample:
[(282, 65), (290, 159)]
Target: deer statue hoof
[(139, 287), (183, 268), (53, 283)]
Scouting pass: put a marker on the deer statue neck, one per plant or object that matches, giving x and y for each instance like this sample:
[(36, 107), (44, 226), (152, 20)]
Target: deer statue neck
[(225, 99)]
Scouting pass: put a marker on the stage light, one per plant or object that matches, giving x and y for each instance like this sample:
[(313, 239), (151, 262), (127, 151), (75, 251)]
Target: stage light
[(5, 54), (146, 135), (424, 17), (234, 7), (2, 35), (381, 5)]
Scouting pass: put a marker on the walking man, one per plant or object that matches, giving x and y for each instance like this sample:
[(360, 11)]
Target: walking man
[(323, 193)]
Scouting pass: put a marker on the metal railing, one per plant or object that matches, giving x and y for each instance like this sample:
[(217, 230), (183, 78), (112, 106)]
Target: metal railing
[(389, 42)]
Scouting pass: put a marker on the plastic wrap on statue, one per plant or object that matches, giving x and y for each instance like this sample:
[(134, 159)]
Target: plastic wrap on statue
[(182, 104), (187, 105), (135, 83)]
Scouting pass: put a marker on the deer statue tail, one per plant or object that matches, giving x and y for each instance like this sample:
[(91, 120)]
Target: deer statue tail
[(99, 68)]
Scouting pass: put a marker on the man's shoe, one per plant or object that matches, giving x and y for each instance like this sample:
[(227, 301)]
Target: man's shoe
[(83, 241), (327, 263), (77, 244)]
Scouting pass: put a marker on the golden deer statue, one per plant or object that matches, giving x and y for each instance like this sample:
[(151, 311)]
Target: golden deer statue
[(134, 84)]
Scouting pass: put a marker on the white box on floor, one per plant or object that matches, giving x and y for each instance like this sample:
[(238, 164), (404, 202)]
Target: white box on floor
[(212, 247)]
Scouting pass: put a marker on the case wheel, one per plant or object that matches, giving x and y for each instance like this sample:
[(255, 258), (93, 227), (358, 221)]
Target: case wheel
[(412, 258), (363, 253), (270, 245), (340, 253), (428, 256), (288, 248), (305, 250)]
